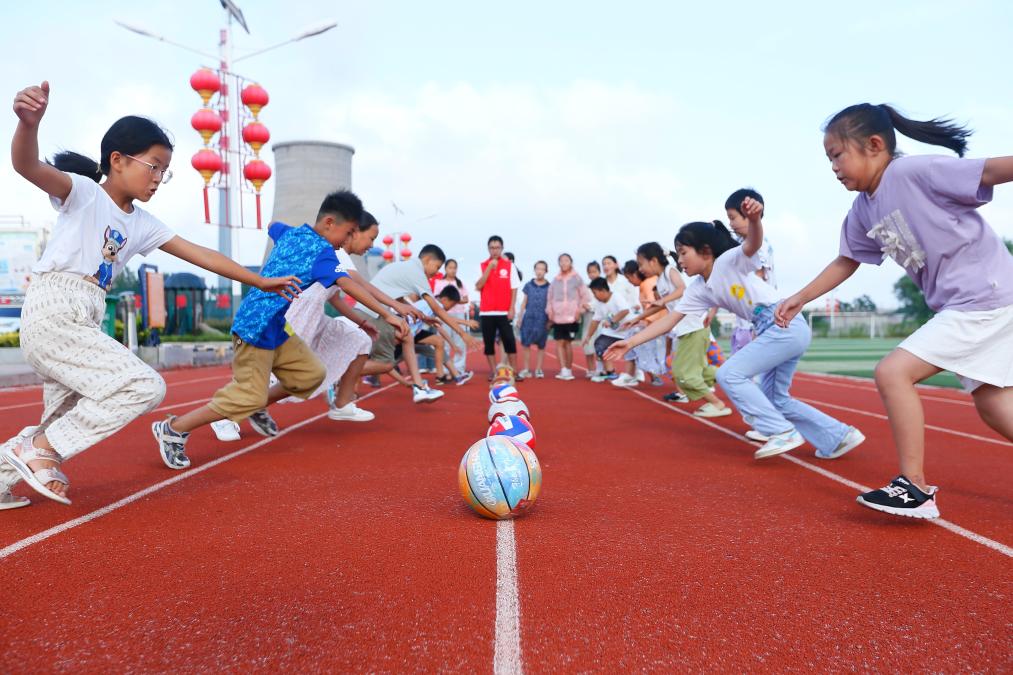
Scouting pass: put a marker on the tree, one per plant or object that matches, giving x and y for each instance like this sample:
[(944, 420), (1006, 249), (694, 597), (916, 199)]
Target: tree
[(912, 301), (126, 280), (864, 304)]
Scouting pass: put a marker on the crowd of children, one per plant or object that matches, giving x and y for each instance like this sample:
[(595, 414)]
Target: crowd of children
[(629, 319)]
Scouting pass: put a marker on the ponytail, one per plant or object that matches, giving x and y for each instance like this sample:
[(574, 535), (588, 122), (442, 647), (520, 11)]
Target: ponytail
[(652, 251), (712, 237), (863, 120), (72, 162)]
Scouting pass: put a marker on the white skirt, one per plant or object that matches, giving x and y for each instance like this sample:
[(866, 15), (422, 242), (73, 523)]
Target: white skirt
[(976, 346)]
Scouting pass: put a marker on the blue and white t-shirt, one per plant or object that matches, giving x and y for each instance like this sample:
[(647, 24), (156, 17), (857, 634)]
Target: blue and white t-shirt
[(260, 320)]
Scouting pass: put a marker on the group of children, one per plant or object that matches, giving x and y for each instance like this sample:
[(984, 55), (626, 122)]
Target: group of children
[(920, 211)]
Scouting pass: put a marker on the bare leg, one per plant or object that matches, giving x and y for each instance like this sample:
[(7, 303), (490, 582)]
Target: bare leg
[(195, 418), (540, 359), (412, 361), (376, 368), (526, 351), (995, 406), (346, 385), (896, 376)]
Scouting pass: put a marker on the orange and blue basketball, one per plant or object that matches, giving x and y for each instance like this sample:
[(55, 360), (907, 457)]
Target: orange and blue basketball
[(508, 407), (503, 392), (515, 427), (499, 477)]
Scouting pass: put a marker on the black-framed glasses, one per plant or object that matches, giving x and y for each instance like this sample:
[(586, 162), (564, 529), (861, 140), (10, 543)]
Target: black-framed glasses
[(164, 175)]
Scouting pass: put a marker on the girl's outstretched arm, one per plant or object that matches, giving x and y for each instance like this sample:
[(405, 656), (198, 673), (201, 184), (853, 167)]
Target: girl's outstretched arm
[(998, 170), (30, 105), (830, 278), (213, 261)]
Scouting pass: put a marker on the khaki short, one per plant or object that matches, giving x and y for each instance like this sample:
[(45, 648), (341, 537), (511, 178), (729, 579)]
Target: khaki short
[(386, 342), (294, 364)]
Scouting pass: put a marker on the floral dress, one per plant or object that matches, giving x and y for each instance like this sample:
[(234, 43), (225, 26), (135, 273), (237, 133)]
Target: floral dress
[(533, 325)]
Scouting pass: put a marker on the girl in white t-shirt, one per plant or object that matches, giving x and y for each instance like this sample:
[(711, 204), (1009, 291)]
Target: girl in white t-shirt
[(727, 278), (92, 385)]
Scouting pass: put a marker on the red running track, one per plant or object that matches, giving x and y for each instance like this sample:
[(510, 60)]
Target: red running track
[(658, 544)]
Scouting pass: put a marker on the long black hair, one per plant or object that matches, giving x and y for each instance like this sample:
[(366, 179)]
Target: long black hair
[(652, 251), (863, 120), (713, 238), (130, 135), (457, 279)]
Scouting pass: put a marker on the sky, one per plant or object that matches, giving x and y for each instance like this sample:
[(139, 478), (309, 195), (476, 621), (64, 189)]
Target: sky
[(588, 127)]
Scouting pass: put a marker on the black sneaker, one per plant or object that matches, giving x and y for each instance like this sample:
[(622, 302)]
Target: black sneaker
[(263, 423), (676, 397), (171, 444), (903, 498)]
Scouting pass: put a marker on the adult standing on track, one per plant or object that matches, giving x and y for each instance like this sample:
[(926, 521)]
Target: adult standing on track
[(498, 287)]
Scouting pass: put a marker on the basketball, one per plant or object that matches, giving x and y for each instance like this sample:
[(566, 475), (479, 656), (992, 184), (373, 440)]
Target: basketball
[(499, 477), (503, 392), (510, 407), (515, 427)]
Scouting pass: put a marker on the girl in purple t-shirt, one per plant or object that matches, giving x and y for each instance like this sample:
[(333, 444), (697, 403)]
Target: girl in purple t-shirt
[(922, 212)]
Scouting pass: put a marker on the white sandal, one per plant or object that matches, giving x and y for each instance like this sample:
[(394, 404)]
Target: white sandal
[(36, 479), (9, 501)]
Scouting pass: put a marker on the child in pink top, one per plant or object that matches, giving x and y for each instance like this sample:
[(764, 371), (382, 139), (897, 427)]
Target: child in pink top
[(568, 296)]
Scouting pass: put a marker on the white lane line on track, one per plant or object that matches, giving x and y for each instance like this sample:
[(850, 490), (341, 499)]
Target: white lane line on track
[(940, 522), (954, 432), (843, 385), (857, 379), (507, 653), (171, 384), (945, 524), (106, 510)]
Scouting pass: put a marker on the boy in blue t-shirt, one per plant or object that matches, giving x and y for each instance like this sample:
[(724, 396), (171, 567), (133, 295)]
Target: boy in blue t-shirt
[(261, 344)]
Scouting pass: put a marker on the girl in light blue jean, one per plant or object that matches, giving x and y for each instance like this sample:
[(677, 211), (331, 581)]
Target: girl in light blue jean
[(727, 278)]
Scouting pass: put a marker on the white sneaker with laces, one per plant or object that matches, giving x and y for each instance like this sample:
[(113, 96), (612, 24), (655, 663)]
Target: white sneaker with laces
[(851, 440), (780, 443), (755, 435), (524, 373), (350, 413), (625, 380), (564, 374), (420, 395), (225, 430)]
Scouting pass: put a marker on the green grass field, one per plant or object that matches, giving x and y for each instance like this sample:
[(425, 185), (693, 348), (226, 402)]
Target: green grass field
[(853, 356)]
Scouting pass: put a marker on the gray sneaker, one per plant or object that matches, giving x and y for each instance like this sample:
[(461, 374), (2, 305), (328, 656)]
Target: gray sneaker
[(263, 423), (171, 444), (851, 440)]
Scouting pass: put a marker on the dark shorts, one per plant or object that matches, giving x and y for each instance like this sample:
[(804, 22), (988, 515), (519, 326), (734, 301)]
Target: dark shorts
[(565, 331), (423, 334), (603, 342)]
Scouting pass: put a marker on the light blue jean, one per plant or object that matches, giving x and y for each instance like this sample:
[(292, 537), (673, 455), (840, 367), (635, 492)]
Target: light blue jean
[(769, 407)]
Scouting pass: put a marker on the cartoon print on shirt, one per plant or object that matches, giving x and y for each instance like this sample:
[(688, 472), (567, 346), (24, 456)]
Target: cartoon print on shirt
[(897, 241), (114, 241)]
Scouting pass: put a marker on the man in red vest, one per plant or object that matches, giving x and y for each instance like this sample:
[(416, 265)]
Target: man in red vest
[(498, 286)]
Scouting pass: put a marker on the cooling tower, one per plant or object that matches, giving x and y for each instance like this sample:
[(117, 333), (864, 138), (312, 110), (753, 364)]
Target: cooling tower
[(305, 171)]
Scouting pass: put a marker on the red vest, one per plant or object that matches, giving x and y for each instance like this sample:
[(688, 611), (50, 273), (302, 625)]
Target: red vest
[(496, 292)]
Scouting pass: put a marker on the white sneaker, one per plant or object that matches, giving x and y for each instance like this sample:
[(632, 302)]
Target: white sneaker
[(851, 440), (641, 377), (780, 443), (420, 395), (711, 410), (539, 374), (599, 377), (523, 374), (9, 501), (625, 380), (350, 413), (225, 430), (755, 435), (564, 374)]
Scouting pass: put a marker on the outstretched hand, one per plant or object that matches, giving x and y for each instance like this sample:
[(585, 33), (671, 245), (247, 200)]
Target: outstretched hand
[(286, 287), (400, 326), (616, 351), (31, 102), (786, 311)]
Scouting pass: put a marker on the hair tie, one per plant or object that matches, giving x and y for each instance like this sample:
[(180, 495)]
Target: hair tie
[(98, 170)]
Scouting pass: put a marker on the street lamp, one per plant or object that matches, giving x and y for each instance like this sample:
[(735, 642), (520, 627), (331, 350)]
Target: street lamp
[(230, 136)]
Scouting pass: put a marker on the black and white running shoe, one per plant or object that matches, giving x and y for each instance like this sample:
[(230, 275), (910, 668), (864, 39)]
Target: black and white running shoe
[(171, 444), (903, 498), (263, 423)]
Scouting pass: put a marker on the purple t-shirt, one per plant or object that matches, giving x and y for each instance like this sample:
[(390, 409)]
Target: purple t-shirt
[(924, 216)]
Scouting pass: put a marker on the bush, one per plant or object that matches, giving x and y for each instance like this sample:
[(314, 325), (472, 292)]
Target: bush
[(197, 337), (12, 339)]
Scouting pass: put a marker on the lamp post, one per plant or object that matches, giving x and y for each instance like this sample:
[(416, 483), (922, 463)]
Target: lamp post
[(207, 122)]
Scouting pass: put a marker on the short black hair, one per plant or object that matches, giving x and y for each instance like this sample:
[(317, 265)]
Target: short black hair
[(599, 284), (433, 251), (367, 221), (450, 293), (735, 199), (493, 238), (631, 267), (343, 204), (594, 263)]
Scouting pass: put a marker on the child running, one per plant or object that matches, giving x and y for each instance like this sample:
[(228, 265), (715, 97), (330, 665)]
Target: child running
[(567, 298), (93, 386), (262, 346), (727, 278), (922, 212), (534, 320)]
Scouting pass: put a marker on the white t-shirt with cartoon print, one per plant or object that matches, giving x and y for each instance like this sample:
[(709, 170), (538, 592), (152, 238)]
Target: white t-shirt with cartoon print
[(94, 237), (733, 285)]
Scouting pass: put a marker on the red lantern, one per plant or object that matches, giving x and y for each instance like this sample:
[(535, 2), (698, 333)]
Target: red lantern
[(388, 255), (405, 237), (254, 97), (388, 240), (206, 83), (180, 301), (208, 163), (256, 134), (257, 172), (405, 253), (207, 123)]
